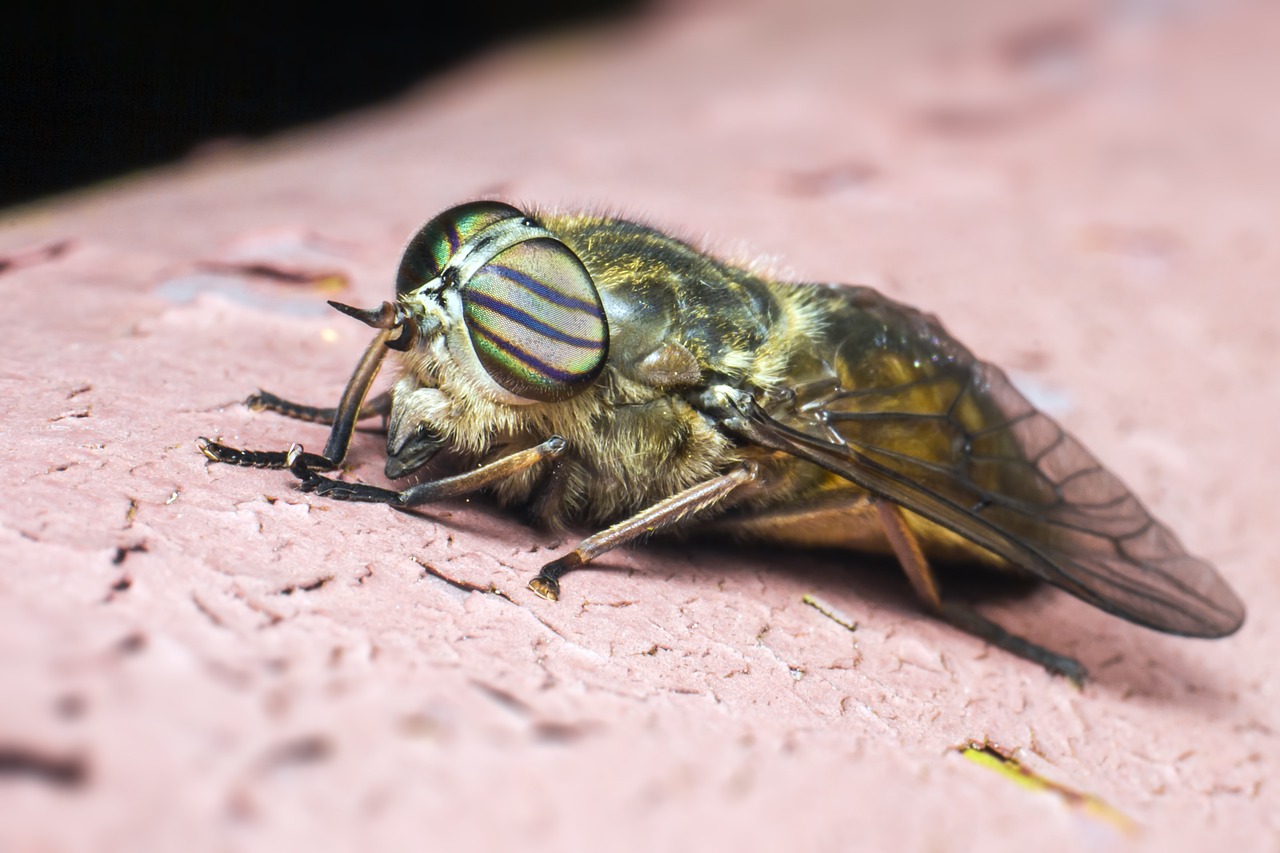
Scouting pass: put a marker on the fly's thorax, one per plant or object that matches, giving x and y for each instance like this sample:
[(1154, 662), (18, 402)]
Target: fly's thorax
[(680, 318), (728, 328)]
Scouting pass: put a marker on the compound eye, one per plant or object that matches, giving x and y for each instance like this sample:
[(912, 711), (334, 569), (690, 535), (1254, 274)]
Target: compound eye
[(437, 241), (536, 321)]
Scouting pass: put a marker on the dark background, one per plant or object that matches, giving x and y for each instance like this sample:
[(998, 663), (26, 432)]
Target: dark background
[(87, 93)]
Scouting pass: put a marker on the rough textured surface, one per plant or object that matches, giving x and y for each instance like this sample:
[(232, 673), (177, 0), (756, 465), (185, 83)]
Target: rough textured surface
[(201, 657)]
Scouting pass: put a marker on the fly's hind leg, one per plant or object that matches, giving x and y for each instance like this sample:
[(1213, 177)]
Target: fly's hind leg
[(662, 515), (913, 561)]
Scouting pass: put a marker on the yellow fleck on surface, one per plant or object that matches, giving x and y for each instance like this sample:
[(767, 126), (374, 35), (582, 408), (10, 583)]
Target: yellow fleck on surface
[(994, 758)]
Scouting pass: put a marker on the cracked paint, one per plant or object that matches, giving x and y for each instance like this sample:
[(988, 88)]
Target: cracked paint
[(308, 671)]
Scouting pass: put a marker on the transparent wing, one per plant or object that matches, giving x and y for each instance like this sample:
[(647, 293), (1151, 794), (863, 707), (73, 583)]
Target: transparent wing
[(961, 447)]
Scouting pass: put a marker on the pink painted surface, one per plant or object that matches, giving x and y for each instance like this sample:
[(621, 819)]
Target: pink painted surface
[(199, 657)]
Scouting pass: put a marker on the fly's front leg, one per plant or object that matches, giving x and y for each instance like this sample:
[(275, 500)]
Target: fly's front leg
[(661, 515), (913, 561), (264, 401), (423, 493), (218, 452), (350, 409)]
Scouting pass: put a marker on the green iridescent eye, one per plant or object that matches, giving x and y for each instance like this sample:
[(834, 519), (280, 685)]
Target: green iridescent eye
[(438, 240), (536, 320)]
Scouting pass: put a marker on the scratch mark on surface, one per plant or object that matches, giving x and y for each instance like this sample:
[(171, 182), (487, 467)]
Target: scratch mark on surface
[(303, 750), (310, 586), (17, 762), (830, 612), (34, 255), (209, 614), (464, 586), (123, 552), (507, 700)]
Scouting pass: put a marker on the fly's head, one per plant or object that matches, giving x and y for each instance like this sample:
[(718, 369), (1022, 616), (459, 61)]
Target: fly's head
[(495, 318)]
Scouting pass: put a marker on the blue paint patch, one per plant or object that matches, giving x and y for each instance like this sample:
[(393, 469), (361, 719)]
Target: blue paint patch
[(185, 289), (1053, 401)]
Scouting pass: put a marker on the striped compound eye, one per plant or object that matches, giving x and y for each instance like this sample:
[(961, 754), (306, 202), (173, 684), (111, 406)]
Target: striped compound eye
[(435, 244), (536, 320)]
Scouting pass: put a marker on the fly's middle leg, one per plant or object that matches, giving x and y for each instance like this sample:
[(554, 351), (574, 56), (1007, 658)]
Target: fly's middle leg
[(733, 485), (428, 492)]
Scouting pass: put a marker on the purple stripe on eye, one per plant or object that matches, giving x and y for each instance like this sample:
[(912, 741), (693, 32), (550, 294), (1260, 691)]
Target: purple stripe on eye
[(545, 292), (451, 233), (527, 320), (534, 363)]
